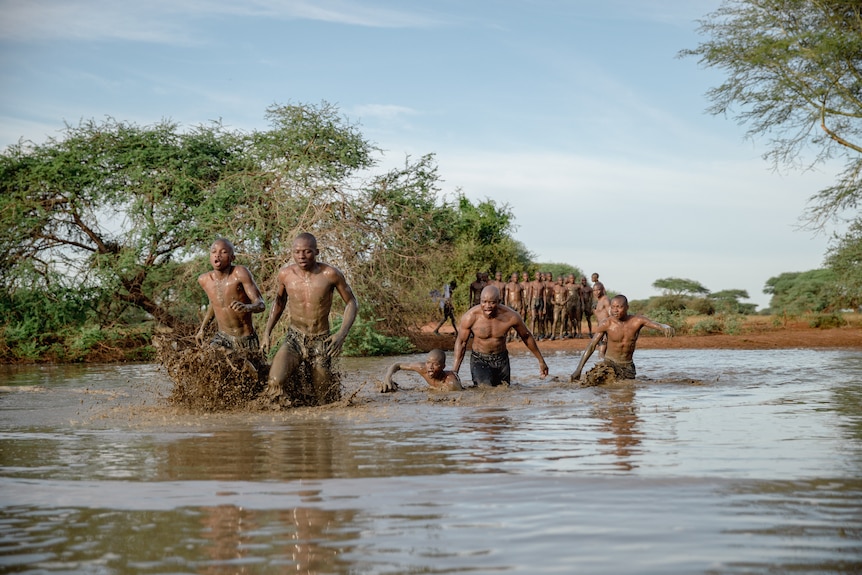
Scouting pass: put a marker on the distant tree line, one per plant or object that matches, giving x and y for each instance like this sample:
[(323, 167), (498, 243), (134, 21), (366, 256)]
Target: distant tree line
[(816, 294)]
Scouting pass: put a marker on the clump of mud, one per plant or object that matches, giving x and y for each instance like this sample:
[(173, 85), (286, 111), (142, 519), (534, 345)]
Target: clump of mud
[(601, 374), (301, 390), (211, 378)]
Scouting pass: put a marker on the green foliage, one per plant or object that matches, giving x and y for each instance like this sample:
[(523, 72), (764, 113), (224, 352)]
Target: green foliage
[(844, 258), (798, 293), (365, 340), (730, 324), (733, 323), (672, 303), (482, 242), (690, 297), (679, 286), (727, 301), (675, 319), (700, 305), (109, 202), (827, 320), (707, 326), (793, 74)]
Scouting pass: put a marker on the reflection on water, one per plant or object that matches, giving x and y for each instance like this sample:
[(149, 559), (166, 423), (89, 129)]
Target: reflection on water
[(726, 462), (621, 422)]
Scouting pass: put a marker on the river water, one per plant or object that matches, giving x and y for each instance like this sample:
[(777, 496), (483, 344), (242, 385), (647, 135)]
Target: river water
[(720, 462)]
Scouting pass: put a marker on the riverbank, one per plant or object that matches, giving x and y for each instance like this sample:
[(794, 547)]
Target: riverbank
[(756, 332)]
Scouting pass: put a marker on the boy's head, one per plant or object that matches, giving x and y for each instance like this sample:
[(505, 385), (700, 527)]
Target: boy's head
[(221, 254), (619, 306), (435, 363)]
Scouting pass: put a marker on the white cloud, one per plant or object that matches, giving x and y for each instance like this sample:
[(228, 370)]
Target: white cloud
[(166, 21)]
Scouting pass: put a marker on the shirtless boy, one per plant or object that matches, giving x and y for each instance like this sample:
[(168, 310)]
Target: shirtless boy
[(602, 311), (432, 371), (513, 297), (534, 300), (560, 299), (587, 304), (622, 331), (489, 322), (233, 297), (306, 289)]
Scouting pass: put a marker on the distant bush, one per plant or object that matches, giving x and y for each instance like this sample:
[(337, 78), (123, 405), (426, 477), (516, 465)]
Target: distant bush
[(827, 320), (700, 305), (730, 324), (675, 319), (707, 326)]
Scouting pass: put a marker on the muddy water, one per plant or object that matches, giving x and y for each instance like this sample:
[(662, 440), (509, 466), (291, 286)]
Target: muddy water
[(725, 462)]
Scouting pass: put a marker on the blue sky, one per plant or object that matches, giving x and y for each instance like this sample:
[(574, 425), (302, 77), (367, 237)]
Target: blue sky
[(577, 114)]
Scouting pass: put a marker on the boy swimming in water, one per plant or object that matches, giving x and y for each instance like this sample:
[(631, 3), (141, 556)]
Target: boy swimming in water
[(432, 371)]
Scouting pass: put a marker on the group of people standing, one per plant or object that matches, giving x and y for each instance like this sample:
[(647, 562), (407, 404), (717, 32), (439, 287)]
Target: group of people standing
[(552, 309)]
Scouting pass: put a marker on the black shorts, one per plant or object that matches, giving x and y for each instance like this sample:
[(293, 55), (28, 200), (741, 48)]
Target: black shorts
[(490, 368)]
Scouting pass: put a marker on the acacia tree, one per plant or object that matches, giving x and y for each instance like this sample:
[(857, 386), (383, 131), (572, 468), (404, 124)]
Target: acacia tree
[(794, 74), (728, 301), (110, 203), (680, 286)]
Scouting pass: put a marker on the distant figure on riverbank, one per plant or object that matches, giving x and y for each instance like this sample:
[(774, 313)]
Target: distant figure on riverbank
[(233, 297), (602, 311), (432, 371), (622, 336), (586, 293), (489, 323), (477, 286), (306, 288), (446, 308)]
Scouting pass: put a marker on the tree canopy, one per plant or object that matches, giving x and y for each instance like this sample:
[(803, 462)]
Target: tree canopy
[(844, 258), (797, 293), (679, 286), (794, 75)]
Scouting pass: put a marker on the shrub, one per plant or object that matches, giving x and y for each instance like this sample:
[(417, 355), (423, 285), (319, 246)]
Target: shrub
[(827, 320), (364, 340), (707, 326), (675, 319)]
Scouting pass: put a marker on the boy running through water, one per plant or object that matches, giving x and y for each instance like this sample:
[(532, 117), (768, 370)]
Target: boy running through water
[(233, 297)]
